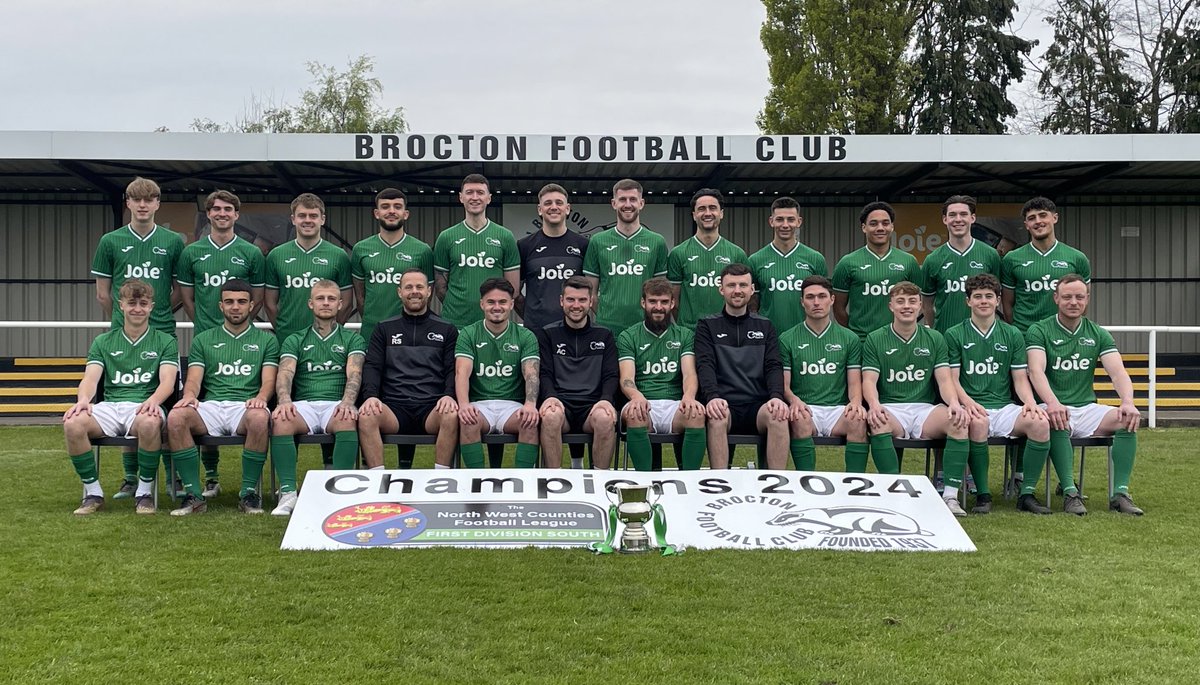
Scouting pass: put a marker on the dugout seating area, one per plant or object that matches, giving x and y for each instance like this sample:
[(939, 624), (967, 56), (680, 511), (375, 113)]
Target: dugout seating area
[(45, 386), (1010, 446)]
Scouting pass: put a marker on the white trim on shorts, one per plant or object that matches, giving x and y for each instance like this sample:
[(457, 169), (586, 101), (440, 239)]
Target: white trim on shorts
[(221, 417), (662, 415), (316, 414), (1003, 421), (116, 418), (496, 413), (825, 418), (911, 416), (1085, 420)]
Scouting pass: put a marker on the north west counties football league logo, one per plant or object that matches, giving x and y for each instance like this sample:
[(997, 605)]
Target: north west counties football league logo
[(376, 524)]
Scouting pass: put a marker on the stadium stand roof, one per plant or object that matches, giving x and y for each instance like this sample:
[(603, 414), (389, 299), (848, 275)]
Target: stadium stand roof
[(64, 164)]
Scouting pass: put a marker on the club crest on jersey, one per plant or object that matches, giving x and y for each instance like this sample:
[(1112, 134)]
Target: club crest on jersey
[(641, 248), (339, 349), (833, 347), (512, 347), (158, 250), (149, 354), (597, 345), (895, 267), (674, 345), (920, 351), (320, 261), (435, 337), (1001, 347), (723, 260), (1059, 264), (755, 335), (492, 241), (976, 265), (250, 347), (237, 260), (571, 249), (403, 257), (1087, 342), (804, 265)]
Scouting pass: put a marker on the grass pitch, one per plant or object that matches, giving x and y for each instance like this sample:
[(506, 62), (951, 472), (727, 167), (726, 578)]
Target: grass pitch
[(210, 599)]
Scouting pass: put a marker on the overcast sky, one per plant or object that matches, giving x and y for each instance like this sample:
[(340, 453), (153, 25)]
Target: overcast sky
[(512, 66)]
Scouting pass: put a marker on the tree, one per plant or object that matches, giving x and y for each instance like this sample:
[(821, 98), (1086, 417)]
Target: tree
[(335, 102), (964, 65), (1120, 66), (1182, 76), (837, 67)]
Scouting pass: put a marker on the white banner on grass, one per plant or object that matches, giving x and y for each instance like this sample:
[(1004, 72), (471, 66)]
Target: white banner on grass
[(744, 509)]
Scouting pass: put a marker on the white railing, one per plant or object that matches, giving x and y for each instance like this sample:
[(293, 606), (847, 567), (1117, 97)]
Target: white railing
[(1152, 364)]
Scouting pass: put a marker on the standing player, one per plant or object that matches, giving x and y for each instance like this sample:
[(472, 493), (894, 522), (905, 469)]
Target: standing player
[(782, 265), (148, 252), (408, 377), (621, 258), (471, 252), (235, 365), (739, 373), (578, 378), (987, 361), (1030, 273), (320, 372), (692, 267), (377, 262), (139, 367), (658, 376), (947, 268), (863, 278), (489, 391), (822, 375), (1063, 351), (293, 268), (905, 367), (204, 267), (548, 258)]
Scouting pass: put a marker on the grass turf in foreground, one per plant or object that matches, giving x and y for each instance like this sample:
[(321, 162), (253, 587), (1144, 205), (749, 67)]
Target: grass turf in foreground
[(211, 598)]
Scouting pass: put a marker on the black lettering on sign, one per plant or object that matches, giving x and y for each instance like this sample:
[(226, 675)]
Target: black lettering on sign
[(557, 145), (364, 147), (837, 148), (441, 147), (355, 482), (416, 147), (389, 146), (863, 489), (764, 149), (777, 487), (810, 483), (902, 485)]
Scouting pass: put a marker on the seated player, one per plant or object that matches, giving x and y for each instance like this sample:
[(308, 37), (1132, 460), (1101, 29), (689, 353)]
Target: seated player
[(905, 367), (739, 374), (1063, 351), (822, 363), (578, 378), (320, 370), (408, 377), (488, 355), (987, 361), (658, 376), (139, 366), (234, 366)]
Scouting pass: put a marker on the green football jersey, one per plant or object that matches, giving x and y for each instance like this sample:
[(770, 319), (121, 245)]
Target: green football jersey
[(905, 367), (777, 279), (292, 271), (866, 279), (657, 359), (496, 360), (468, 258), (945, 272), (696, 269), (123, 254), (1033, 277), (985, 360), (233, 364), (131, 366), (205, 266), (379, 266), (819, 362), (321, 362), (622, 264), (1071, 357)]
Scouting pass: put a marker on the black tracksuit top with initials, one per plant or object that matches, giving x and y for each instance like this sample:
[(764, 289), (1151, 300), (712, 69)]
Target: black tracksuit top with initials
[(579, 366), (410, 360)]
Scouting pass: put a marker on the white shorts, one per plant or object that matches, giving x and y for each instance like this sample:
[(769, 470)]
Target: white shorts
[(316, 414), (221, 417), (662, 415), (1002, 421), (911, 417), (116, 418), (824, 419), (496, 413), (1086, 420)]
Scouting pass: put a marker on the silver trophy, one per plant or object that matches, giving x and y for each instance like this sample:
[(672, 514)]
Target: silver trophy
[(634, 511)]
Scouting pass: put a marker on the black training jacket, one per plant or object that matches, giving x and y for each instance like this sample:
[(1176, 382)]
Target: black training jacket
[(410, 360), (578, 366), (737, 359)]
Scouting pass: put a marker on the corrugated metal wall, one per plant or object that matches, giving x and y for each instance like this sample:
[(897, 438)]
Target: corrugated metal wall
[(56, 241)]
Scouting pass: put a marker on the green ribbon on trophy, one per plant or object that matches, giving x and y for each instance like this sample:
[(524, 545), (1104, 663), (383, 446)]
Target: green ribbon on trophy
[(633, 509)]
